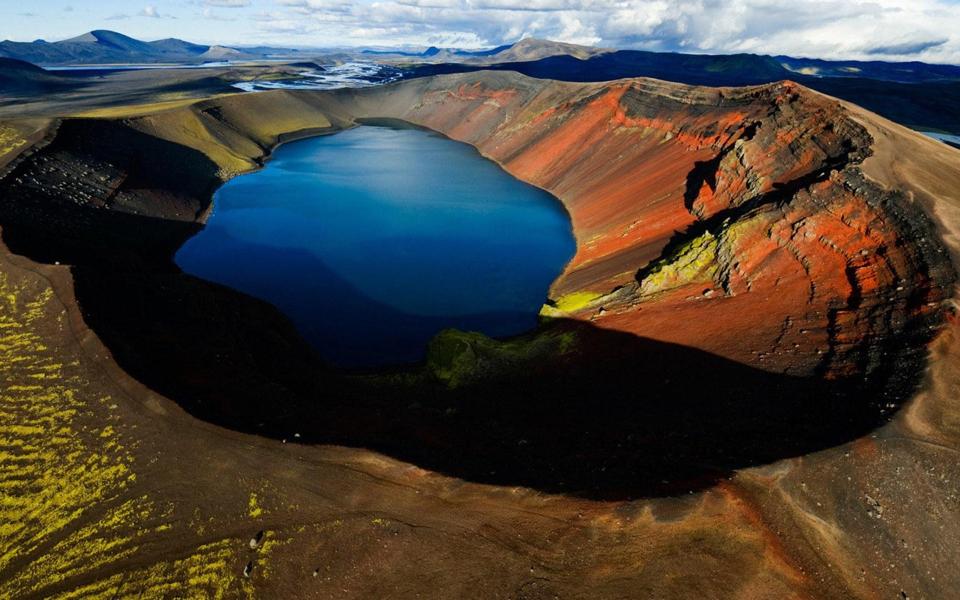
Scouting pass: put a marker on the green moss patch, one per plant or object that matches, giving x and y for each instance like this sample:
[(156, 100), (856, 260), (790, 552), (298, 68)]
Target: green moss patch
[(458, 358), (693, 261)]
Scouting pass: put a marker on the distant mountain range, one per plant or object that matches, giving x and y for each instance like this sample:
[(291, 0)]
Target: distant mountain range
[(102, 47), (109, 47), (699, 69), (902, 72), (526, 49), (541, 58), (919, 95), (434, 52), (915, 94)]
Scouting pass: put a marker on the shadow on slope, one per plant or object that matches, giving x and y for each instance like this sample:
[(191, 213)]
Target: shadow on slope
[(570, 408), (20, 78)]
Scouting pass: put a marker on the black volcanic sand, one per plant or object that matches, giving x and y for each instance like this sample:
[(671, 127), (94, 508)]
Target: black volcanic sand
[(571, 408)]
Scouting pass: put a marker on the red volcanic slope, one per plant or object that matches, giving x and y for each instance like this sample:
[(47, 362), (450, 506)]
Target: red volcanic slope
[(731, 220)]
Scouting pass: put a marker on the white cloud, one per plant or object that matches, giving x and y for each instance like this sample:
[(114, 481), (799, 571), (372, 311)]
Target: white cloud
[(152, 12), (206, 13), (227, 3), (861, 29)]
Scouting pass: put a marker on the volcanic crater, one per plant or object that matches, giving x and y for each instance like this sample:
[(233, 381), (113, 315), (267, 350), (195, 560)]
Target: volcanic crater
[(741, 291)]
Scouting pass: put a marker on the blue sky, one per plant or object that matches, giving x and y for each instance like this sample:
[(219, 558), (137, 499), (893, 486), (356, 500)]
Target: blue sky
[(861, 29)]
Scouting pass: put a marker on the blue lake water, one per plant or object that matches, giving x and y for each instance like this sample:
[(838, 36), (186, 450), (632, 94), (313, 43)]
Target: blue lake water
[(943, 137), (374, 239)]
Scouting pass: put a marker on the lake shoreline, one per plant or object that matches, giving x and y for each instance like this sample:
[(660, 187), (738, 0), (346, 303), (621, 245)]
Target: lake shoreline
[(465, 177)]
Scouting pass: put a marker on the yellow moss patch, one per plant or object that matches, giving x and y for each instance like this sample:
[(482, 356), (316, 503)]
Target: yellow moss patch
[(10, 140), (457, 357), (133, 110), (264, 116), (254, 509), (570, 303), (59, 462), (71, 523), (695, 261), (212, 571), (230, 150), (231, 130)]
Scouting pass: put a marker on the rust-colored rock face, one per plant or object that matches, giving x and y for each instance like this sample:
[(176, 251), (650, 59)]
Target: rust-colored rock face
[(734, 221)]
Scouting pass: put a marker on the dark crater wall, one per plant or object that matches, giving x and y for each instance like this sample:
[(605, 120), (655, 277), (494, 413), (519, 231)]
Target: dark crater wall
[(574, 407)]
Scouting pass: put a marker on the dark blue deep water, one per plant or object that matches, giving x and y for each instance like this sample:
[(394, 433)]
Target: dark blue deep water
[(374, 239)]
